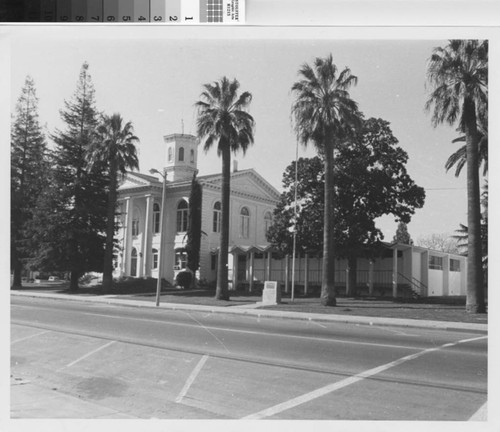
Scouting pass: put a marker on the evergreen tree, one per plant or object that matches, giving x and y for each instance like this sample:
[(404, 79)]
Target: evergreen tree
[(194, 228), (71, 221), (28, 167), (402, 235)]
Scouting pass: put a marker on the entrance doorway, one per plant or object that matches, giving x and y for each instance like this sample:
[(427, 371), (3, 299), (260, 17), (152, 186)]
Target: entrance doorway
[(242, 268), (133, 263)]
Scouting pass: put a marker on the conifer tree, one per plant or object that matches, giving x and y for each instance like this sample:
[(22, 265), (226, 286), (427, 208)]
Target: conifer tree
[(402, 235), (28, 167), (71, 220), (194, 228)]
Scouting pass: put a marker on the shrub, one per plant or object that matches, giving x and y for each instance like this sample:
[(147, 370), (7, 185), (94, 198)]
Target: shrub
[(183, 279)]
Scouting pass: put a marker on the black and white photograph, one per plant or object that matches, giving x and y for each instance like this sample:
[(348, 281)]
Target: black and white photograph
[(271, 223)]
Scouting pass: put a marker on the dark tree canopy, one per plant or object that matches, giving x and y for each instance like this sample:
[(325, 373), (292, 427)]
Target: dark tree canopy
[(371, 180), (28, 170), (194, 227), (70, 221)]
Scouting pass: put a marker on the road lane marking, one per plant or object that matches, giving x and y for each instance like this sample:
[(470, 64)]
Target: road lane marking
[(206, 328), (398, 332), (481, 414), (87, 355), (29, 337), (253, 332), (191, 378), (315, 394)]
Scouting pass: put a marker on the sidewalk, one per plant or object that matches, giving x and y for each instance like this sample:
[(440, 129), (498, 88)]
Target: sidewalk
[(253, 310)]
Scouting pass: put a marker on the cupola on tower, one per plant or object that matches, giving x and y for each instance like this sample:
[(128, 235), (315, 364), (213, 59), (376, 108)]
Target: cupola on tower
[(181, 156)]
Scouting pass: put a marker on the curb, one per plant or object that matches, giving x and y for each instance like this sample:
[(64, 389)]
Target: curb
[(252, 311)]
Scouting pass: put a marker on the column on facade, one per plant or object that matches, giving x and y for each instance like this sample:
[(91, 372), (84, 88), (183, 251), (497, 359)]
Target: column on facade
[(251, 270), (235, 271), (446, 275), (395, 272), (370, 277), (127, 236), (148, 237), (268, 265)]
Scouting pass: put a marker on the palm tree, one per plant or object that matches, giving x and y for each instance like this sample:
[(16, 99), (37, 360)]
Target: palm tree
[(459, 158), (458, 74), (223, 121), (114, 147), (325, 115)]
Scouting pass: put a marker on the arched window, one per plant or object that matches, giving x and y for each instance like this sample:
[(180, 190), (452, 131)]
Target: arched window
[(182, 216), (268, 220), (181, 154), (156, 218), (170, 154), (155, 258), (133, 262), (192, 156), (217, 217), (244, 223)]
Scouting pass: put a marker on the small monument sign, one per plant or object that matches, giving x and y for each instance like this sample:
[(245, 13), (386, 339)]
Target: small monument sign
[(271, 293)]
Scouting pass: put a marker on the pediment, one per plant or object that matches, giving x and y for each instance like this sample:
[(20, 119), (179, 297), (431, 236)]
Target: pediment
[(133, 180), (248, 183)]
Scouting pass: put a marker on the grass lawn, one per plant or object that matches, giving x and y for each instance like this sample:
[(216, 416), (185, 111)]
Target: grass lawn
[(435, 309)]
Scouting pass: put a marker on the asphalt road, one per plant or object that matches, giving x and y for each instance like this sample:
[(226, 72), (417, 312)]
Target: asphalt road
[(150, 363)]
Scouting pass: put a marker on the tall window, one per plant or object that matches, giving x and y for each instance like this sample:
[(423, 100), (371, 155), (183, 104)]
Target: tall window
[(135, 223), (156, 218), (217, 217), (181, 154), (182, 216), (133, 262), (244, 223), (155, 258), (192, 156), (268, 220), (170, 154)]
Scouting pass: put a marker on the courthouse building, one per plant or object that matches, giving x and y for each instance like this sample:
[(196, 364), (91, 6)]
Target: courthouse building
[(252, 202)]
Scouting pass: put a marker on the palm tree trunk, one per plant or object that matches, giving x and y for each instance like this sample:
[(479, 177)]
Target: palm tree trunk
[(328, 293), (221, 291), (475, 286), (107, 277)]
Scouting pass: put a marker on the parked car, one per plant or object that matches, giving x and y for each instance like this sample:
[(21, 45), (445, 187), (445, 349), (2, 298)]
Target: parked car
[(53, 278)]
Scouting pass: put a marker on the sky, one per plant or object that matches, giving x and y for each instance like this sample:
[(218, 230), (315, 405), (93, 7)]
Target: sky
[(153, 78)]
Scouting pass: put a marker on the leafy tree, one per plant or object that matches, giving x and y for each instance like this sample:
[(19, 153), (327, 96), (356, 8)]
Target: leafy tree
[(371, 180), (458, 74), (70, 220), (223, 121), (28, 169), (325, 115), (194, 228), (113, 149), (402, 235)]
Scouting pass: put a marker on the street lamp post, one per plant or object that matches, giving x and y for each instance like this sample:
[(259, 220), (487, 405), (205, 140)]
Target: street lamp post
[(160, 253)]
